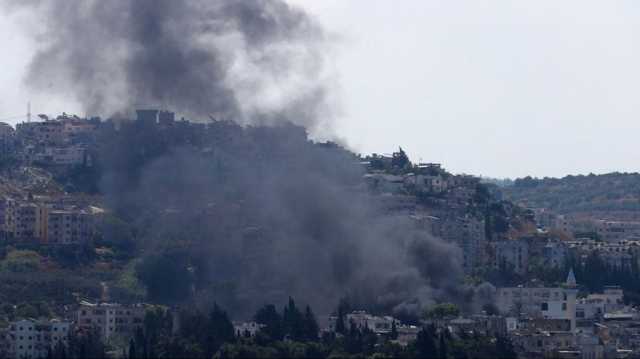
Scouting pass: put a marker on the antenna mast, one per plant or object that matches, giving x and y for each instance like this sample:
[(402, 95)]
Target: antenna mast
[(29, 111)]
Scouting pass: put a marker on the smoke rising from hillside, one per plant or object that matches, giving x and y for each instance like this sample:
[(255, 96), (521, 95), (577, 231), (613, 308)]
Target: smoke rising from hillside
[(251, 61), (256, 213)]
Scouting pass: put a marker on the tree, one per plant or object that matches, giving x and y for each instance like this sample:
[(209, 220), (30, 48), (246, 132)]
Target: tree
[(132, 349), (166, 276), (504, 348), (340, 328), (292, 321), (425, 343), (394, 331), (400, 160), (311, 328), (220, 328), (443, 310), (443, 351), (271, 320)]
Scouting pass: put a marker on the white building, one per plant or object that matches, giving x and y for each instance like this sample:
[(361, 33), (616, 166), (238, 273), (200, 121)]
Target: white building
[(31, 339), (362, 320), (597, 305), (246, 329), (551, 303)]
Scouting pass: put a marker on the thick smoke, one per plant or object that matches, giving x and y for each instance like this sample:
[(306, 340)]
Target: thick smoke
[(263, 213), (255, 213), (251, 61)]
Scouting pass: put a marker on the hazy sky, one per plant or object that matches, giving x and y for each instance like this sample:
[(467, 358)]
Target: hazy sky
[(494, 88)]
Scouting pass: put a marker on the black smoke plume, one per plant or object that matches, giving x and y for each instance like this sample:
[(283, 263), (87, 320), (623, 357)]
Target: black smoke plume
[(244, 215), (251, 61)]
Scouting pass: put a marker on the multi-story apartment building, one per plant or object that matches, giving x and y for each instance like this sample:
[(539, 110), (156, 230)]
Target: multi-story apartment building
[(512, 254), (44, 223), (540, 302), (48, 132), (468, 233), (8, 208), (68, 226), (31, 219), (62, 156), (29, 338), (110, 319), (7, 138), (614, 231)]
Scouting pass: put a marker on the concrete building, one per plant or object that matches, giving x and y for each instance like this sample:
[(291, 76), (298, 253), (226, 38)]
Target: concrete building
[(361, 320), (29, 338), (540, 302), (50, 132), (78, 130), (246, 329), (512, 254), (596, 305), (110, 319), (8, 212), (62, 156), (7, 139), (30, 219), (69, 227), (468, 233), (554, 254), (615, 231)]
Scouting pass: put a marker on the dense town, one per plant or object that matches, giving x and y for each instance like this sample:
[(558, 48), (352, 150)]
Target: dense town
[(549, 286)]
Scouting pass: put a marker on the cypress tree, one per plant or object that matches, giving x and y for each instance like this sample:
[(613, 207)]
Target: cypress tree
[(394, 331), (443, 351), (132, 349), (311, 328)]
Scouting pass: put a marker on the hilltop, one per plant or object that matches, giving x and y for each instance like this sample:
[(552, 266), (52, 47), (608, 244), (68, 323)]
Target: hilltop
[(610, 196)]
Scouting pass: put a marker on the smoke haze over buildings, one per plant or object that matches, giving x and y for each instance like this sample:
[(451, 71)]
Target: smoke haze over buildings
[(260, 212)]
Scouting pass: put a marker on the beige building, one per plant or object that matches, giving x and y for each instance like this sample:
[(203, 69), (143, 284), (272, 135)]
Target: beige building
[(62, 156), (68, 227), (40, 222), (46, 132), (31, 219)]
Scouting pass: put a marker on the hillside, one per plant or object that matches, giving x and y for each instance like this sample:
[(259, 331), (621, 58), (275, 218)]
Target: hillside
[(615, 195)]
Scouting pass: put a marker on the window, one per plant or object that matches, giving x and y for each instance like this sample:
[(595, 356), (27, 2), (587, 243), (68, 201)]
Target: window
[(544, 306), (564, 306)]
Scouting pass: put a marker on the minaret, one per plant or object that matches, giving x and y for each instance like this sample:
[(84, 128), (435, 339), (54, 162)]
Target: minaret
[(571, 289)]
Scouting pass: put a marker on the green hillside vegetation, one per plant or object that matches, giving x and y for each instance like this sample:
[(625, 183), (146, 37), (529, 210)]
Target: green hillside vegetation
[(613, 192)]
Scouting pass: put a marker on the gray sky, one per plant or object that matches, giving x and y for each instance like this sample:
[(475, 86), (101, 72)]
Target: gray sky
[(495, 88)]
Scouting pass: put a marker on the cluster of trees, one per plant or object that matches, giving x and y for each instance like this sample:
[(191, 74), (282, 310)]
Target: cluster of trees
[(364, 343), (81, 345), (594, 274), (290, 333), (571, 194), (292, 324)]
